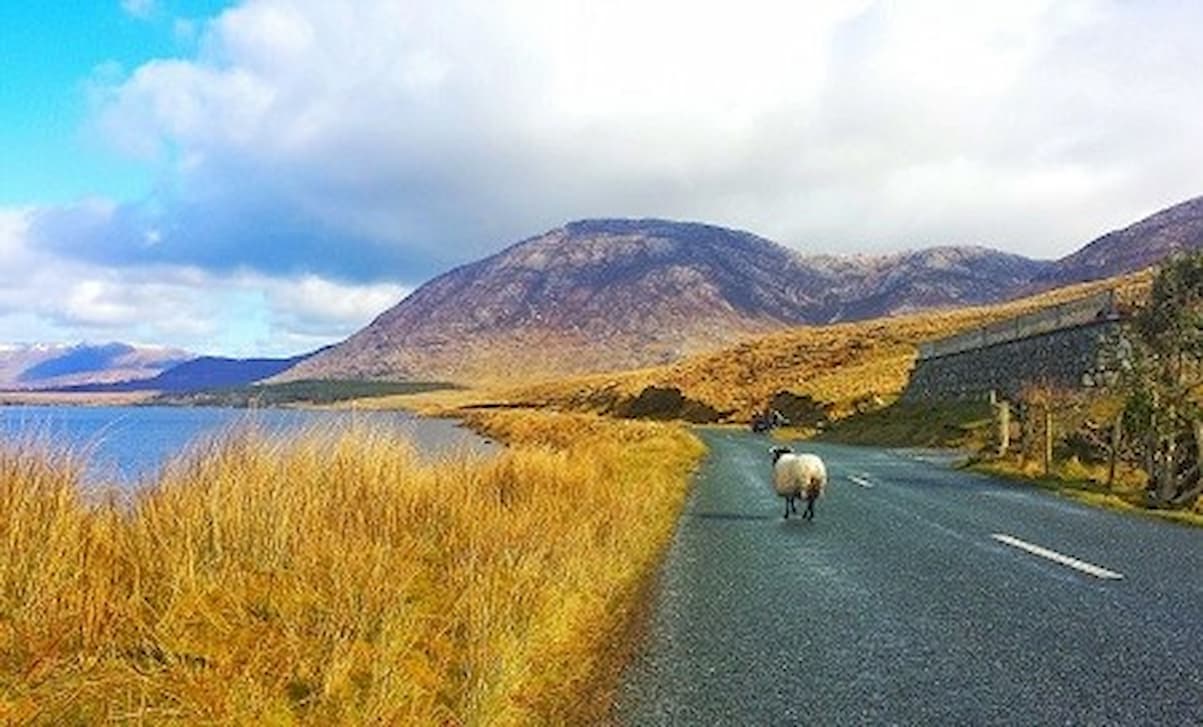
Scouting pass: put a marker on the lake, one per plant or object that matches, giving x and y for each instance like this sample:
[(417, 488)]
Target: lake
[(127, 444)]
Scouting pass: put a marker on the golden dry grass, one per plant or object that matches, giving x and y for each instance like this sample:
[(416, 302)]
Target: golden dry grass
[(429, 403), (336, 579)]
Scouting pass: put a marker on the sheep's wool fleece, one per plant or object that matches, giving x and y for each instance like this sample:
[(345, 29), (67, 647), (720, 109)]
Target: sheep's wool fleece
[(797, 474)]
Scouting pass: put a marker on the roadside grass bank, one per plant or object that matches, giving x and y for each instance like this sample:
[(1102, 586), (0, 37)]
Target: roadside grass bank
[(1086, 483), (337, 579)]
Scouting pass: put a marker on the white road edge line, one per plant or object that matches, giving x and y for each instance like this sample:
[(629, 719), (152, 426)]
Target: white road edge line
[(1090, 568), (860, 481)]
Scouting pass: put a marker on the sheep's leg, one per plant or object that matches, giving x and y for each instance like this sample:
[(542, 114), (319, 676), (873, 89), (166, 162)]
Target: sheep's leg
[(793, 505), (787, 502), (810, 509)]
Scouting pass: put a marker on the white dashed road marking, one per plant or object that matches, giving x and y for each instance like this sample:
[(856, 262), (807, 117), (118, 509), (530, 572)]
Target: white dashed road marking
[(1090, 568), (860, 481)]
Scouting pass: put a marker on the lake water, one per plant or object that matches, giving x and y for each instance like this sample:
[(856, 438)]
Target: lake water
[(127, 444)]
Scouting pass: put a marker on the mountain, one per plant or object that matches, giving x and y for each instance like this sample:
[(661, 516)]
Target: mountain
[(1133, 248), (202, 374), (616, 294), (46, 366), (935, 277), (609, 294)]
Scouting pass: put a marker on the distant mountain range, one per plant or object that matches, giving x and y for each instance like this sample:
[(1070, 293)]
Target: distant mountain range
[(46, 366), (615, 294), (612, 294), (205, 373), (121, 367)]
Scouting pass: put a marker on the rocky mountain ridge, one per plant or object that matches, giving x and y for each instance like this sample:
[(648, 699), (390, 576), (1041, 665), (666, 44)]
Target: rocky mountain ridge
[(615, 293)]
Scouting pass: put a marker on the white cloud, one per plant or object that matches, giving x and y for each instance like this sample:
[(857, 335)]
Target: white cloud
[(317, 305), (317, 155), (140, 8), (439, 131), (44, 297), (14, 225)]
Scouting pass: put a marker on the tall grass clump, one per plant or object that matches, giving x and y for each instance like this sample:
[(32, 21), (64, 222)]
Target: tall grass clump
[(337, 578)]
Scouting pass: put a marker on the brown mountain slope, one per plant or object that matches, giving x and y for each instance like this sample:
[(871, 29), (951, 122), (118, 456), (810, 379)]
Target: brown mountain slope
[(617, 294), (1133, 248)]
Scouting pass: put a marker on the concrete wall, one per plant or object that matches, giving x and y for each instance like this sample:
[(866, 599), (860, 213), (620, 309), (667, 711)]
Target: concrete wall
[(1079, 312), (1063, 346)]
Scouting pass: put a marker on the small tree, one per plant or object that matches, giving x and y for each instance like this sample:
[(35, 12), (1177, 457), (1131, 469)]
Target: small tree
[(1164, 372)]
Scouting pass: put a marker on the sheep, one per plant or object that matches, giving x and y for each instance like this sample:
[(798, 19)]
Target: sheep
[(796, 476)]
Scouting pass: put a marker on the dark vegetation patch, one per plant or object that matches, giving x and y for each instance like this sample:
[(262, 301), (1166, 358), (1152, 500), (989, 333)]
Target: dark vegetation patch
[(801, 410), (955, 424), (300, 392), (664, 403)]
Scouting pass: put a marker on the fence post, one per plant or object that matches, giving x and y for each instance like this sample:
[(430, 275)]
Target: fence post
[(1117, 433), (1003, 416), (1198, 427), (1048, 439)]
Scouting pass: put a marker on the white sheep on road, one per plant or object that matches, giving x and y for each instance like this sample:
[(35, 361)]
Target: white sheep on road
[(797, 476)]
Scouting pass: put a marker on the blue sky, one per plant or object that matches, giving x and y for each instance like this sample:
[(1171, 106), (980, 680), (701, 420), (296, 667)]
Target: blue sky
[(266, 176), (51, 54)]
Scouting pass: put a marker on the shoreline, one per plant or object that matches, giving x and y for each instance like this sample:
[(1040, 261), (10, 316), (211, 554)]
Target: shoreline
[(71, 398)]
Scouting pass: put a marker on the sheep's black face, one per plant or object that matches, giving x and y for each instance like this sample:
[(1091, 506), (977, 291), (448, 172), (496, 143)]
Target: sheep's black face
[(778, 451)]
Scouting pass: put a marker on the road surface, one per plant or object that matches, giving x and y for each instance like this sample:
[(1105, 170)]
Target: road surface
[(919, 595)]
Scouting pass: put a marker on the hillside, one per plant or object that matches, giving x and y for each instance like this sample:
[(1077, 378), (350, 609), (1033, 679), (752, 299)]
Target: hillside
[(48, 366), (836, 366), (619, 294), (865, 287), (1133, 248)]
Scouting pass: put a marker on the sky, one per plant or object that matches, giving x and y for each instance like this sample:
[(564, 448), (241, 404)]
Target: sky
[(263, 177)]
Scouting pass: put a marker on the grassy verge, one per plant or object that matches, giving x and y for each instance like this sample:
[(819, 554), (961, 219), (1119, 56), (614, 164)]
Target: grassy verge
[(967, 426), (336, 579), (1086, 483)]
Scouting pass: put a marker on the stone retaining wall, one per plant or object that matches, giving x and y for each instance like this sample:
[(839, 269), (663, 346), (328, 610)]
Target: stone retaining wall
[(1063, 346)]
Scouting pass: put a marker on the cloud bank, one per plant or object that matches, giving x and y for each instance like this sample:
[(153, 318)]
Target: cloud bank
[(373, 143), (44, 297)]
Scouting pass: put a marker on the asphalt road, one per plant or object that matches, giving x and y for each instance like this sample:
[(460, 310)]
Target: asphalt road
[(911, 600)]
